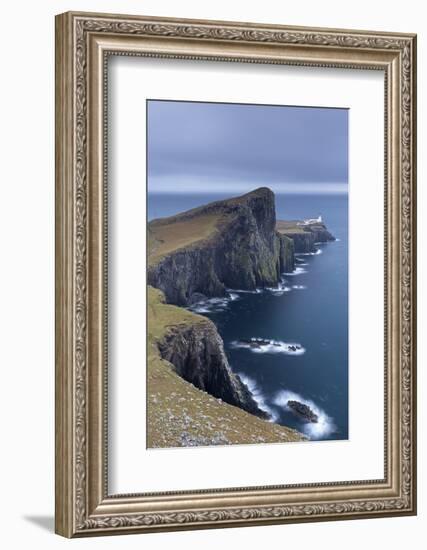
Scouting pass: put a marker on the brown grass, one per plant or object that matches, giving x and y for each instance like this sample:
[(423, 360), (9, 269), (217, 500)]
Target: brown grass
[(164, 238), (289, 227), (178, 413)]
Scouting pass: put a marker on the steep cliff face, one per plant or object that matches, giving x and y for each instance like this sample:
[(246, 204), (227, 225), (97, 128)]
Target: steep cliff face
[(304, 237), (198, 254), (287, 254), (303, 242), (243, 249), (197, 355)]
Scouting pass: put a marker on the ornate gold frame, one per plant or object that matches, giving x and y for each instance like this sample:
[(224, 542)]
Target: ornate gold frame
[(83, 506)]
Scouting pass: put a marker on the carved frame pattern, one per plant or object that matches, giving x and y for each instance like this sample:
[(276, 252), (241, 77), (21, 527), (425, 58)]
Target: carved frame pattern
[(75, 513)]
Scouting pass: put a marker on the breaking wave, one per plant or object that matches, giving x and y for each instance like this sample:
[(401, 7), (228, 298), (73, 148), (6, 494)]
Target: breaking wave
[(241, 291), (299, 287), (298, 271), (315, 430), (258, 396), (261, 345), (212, 305), (280, 289), (316, 253)]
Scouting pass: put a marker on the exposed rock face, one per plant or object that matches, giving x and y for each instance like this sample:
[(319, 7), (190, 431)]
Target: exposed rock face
[(303, 410), (303, 242), (241, 249), (307, 235), (245, 251), (197, 354), (287, 254)]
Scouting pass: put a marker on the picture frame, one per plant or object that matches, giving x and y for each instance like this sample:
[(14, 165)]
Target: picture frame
[(84, 42)]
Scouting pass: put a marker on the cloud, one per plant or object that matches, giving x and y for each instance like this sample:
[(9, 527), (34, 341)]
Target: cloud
[(200, 185), (235, 146)]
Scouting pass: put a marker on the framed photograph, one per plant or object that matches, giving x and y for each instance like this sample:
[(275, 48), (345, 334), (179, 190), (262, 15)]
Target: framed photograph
[(235, 274)]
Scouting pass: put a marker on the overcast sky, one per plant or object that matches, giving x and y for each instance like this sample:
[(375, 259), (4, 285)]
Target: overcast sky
[(208, 147)]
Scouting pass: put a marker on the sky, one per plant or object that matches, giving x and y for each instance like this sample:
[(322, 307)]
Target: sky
[(225, 147)]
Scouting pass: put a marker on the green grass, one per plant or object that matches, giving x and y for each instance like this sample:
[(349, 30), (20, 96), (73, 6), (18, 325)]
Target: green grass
[(178, 413), (166, 236), (289, 227)]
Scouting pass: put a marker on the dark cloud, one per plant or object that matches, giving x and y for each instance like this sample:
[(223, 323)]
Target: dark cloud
[(233, 144)]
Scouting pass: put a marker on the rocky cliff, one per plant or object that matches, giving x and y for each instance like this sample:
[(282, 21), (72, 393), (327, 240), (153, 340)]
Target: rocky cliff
[(196, 352), (225, 244), (194, 396), (304, 236), (191, 345)]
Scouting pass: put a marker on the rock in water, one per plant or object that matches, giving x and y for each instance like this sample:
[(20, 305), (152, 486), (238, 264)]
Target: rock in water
[(303, 410)]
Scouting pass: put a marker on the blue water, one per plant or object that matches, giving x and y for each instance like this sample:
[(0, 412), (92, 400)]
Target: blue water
[(314, 316)]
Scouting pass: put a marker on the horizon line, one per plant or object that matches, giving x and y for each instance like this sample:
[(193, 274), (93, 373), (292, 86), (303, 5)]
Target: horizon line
[(244, 192)]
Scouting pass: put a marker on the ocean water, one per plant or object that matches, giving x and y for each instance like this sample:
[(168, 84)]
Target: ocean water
[(309, 308)]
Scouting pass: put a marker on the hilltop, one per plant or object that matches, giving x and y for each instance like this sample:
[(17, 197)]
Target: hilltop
[(231, 243)]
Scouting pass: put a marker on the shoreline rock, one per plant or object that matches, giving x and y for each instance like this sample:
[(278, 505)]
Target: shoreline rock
[(303, 410), (197, 354)]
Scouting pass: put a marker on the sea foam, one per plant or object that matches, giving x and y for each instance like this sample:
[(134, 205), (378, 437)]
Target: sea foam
[(315, 253), (315, 430), (273, 346), (258, 396), (298, 271)]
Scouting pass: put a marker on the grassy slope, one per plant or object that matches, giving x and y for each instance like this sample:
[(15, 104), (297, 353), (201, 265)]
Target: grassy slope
[(166, 236), (288, 227), (178, 413)]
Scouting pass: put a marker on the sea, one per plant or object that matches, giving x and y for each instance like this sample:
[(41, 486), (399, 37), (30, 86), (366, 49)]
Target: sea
[(308, 309)]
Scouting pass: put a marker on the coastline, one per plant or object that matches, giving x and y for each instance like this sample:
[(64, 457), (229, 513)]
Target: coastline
[(278, 246)]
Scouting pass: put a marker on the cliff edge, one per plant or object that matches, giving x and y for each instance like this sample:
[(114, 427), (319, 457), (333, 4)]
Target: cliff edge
[(193, 397), (225, 244)]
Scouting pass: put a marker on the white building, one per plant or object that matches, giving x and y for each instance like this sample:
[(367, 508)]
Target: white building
[(311, 221)]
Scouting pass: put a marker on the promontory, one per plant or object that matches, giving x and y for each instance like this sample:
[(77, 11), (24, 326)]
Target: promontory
[(194, 397)]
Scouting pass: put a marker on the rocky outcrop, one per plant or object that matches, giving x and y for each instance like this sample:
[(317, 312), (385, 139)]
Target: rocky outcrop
[(200, 254), (196, 352), (303, 410), (305, 237), (287, 254), (244, 252)]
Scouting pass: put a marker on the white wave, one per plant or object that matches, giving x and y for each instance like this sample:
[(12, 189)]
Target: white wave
[(258, 396), (241, 291), (315, 430), (280, 289), (299, 287), (316, 253), (298, 271), (270, 346), (233, 296), (199, 309), (211, 305)]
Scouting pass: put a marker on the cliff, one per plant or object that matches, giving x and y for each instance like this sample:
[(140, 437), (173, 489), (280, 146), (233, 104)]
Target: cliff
[(191, 344), (304, 236), (193, 397), (225, 244)]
